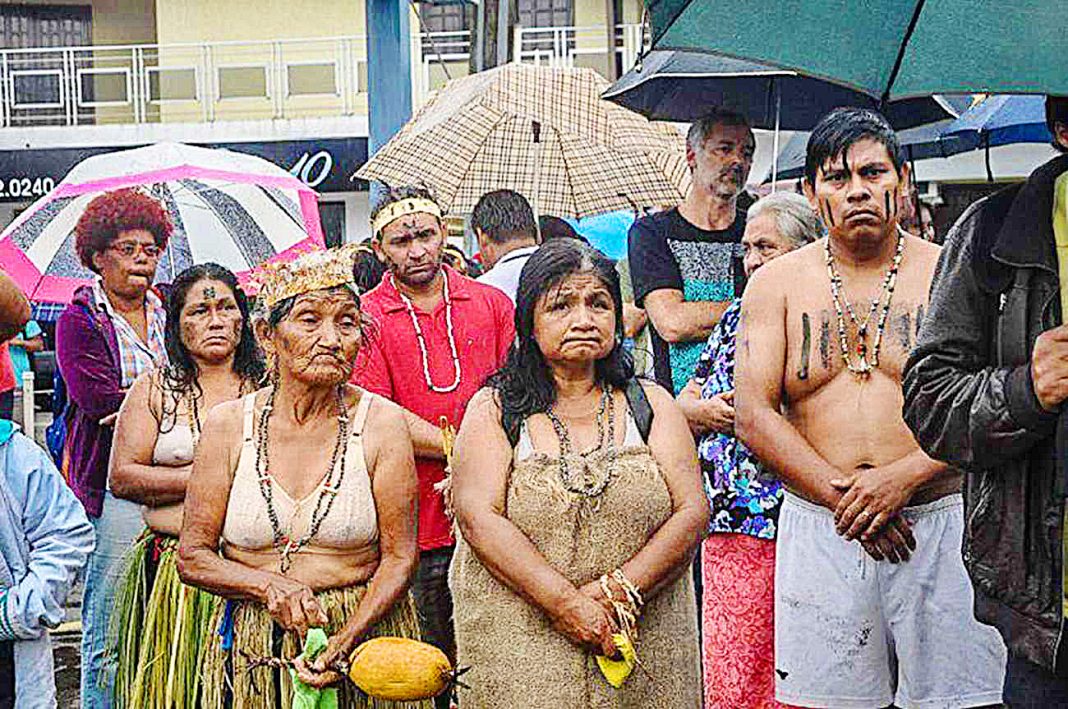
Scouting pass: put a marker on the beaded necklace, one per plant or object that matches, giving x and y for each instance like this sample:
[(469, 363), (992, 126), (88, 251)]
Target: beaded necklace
[(283, 544), (864, 365), (422, 342), (581, 483)]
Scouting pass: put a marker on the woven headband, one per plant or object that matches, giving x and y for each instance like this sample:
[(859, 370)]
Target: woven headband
[(402, 208)]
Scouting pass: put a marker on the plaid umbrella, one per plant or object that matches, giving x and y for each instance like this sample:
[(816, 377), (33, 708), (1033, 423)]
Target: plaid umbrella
[(541, 131)]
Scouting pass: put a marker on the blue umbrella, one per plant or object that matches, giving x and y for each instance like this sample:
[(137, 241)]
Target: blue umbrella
[(606, 232), (682, 86), (1000, 120)]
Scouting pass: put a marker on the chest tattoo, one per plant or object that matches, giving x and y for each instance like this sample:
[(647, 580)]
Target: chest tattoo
[(806, 343)]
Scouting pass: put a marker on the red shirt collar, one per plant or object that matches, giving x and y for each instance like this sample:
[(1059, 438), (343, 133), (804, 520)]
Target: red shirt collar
[(459, 289)]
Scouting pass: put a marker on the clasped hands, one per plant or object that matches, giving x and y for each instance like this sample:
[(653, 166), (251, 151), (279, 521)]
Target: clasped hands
[(868, 507), (294, 607)]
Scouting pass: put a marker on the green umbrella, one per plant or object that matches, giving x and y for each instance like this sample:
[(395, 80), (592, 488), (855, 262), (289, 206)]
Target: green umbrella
[(889, 49)]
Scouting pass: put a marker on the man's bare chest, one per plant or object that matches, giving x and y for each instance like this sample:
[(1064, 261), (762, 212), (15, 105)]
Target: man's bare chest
[(824, 341)]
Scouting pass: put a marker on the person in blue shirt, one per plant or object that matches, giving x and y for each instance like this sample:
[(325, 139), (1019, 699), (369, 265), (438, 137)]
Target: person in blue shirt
[(45, 540), (30, 339)]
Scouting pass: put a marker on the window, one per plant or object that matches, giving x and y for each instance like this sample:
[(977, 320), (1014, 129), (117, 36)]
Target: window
[(37, 81), (24, 26), (446, 18), (332, 219), (546, 13)]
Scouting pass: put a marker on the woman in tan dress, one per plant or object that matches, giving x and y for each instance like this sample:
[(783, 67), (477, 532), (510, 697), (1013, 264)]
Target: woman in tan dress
[(159, 624), (579, 515), (308, 487)]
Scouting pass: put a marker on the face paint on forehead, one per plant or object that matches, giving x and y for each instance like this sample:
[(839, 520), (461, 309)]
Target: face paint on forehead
[(209, 292)]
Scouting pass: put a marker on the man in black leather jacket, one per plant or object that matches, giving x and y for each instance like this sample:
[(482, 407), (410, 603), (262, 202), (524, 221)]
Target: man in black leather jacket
[(983, 391)]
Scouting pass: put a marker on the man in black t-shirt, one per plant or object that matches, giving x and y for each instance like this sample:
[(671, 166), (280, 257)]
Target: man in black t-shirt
[(685, 263)]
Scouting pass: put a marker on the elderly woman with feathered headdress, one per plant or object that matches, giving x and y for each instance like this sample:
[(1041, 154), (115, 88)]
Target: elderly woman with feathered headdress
[(308, 487)]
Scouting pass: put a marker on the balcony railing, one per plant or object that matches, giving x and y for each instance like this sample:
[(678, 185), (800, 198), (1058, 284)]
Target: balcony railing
[(215, 81), (579, 46)]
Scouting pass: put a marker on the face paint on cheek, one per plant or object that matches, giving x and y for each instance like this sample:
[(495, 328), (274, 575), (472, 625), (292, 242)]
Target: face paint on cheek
[(886, 198), (830, 217)]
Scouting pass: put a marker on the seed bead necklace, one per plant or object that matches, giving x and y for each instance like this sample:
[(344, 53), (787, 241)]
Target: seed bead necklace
[(584, 486), (335, 474), (864, 365), (422, 342)]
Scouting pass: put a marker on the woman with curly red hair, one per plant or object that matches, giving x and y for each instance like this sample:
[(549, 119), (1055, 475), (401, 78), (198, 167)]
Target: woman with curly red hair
[(112, 331)]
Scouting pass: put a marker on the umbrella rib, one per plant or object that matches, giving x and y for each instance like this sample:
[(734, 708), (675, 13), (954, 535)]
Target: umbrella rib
[(280, 205), (916, 12)]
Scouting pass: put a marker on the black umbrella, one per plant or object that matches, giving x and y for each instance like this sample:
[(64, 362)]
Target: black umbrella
[(682, 86)]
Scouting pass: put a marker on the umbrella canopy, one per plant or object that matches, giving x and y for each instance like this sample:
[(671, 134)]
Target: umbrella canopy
[(919, 143), (682, 86), (541, 131), (606, 232), (1001, 120), (234, 209), (888, 49)]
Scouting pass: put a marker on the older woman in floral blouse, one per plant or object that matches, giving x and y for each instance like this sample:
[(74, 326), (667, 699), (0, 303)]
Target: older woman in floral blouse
[(738, 558)]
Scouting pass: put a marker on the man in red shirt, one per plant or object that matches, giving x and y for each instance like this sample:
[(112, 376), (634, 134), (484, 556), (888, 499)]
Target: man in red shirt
[(437, 336)]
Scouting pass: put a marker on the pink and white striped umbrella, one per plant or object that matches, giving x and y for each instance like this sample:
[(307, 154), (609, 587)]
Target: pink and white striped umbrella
[(233, 209)]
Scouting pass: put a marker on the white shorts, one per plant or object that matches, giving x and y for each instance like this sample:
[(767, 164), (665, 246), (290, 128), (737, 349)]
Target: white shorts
[(854, 632)]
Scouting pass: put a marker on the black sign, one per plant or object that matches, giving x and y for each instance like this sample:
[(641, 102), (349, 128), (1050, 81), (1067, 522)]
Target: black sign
[(324, 165)]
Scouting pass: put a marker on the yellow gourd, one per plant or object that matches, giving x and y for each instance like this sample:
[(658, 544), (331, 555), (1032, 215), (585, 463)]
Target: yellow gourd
[(400, 670)]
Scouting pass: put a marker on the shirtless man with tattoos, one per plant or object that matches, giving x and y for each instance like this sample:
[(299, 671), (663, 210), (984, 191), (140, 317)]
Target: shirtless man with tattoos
[(872, 603)]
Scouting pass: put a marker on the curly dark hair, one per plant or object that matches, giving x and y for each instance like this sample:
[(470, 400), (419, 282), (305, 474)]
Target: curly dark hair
[(179, 377), (112, 213), (524, 384)]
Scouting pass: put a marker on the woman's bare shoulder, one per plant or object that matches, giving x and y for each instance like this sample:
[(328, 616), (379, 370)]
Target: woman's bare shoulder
[(382, 412)]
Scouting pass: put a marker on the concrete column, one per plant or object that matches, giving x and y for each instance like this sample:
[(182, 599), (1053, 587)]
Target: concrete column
[(389, 70)]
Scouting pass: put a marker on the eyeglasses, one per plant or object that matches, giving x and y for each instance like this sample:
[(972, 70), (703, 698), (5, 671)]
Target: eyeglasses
[(129, 249)]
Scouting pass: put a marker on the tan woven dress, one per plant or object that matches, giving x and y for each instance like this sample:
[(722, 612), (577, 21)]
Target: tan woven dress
[(516, 658)]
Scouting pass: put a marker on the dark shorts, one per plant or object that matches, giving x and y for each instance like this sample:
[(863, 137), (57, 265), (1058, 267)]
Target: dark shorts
[(433, 601), (7, 674)]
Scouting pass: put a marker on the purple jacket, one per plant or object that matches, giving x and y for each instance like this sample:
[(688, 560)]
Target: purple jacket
[(87, 350)]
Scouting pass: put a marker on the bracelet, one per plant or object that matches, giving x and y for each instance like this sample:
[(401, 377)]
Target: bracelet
[(631, 591)]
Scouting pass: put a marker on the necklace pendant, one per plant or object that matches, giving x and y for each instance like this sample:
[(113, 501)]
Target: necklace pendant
[(864, 368)]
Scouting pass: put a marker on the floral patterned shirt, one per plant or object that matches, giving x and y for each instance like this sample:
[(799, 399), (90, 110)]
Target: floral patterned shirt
[(745, 499)]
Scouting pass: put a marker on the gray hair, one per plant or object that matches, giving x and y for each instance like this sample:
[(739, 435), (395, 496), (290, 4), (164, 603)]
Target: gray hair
[(702, 127), (794, 217)]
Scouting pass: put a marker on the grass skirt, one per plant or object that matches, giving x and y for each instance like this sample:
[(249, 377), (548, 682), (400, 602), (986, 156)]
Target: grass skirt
[(228, 680), (158, 629)]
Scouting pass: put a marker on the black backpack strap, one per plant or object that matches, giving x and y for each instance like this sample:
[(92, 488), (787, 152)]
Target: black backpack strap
[(512, 424), (637, 401), (640, 408)]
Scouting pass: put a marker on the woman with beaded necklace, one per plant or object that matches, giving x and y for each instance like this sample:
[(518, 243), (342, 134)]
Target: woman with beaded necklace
[(578, 499), (308, 487), (213, 357)]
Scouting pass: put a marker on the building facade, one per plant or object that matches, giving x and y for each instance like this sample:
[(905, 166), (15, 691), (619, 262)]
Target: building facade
[(282, 79)]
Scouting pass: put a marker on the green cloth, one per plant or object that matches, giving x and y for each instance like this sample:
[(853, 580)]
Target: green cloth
[(1060, 236), (954, 46), (305, 697)]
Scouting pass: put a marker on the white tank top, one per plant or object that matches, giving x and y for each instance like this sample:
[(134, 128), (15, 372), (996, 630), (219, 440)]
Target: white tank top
[(351, 524)]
